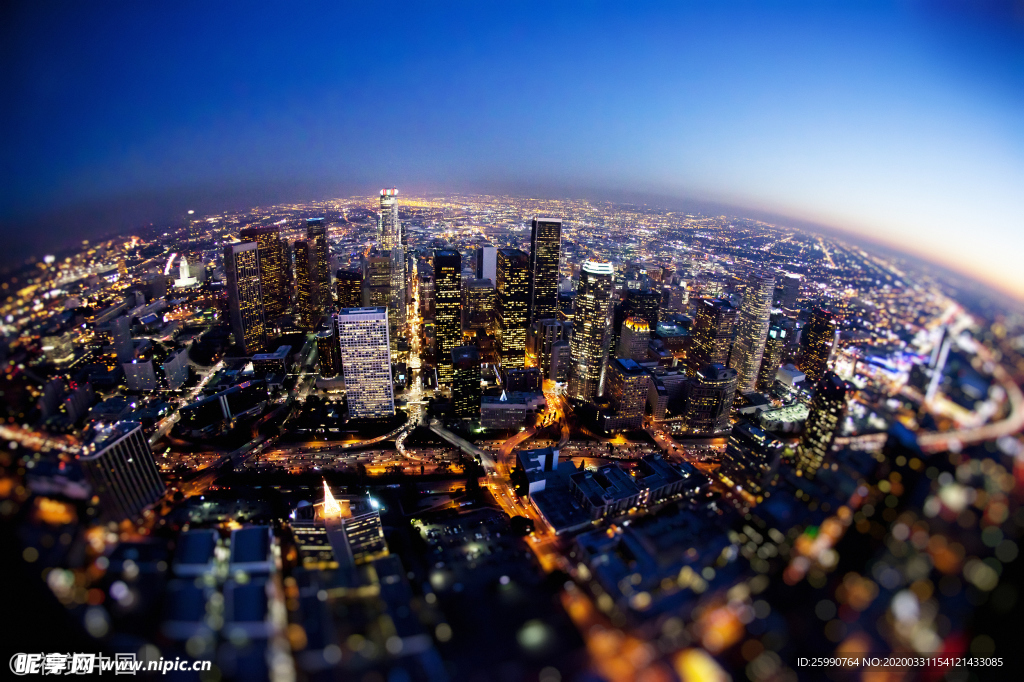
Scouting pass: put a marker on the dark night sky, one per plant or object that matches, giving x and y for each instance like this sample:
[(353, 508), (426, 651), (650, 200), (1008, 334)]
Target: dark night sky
[(899, 121)]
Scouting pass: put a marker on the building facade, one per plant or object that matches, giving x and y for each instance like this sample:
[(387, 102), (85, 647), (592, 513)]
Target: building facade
[(545, 252), (752, 330), (513, 269), (447, 310), (591, 319), (245, 296), (366, 361), (121, 470)]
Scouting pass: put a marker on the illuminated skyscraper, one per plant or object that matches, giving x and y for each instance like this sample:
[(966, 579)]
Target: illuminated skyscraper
[(121, 470), (711, 336), (466, 381), (272, 267), (790, 291), (376, 278), (319, 265), (349, 288), (391, 241), (245, 297), (545, 251), (644, 304), (590, 329), (303, 286), (328, 352), (634, 339), (818, 338), (752, 330), (823, 421), (627, 390), (478, 301), (447, 310), (541, 340), (513, 306), (772, 359), (366, 361), (710, 400)]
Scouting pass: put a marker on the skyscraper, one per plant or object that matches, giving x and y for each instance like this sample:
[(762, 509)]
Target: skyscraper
[(818, 339), (319, 265), (466, 381), (790, 291), (772, 359), (823, 421), (633, 340), (376, 278), (349, 288), (391, 241), (447, 309), (513, 306), (328, 352), (644, 304), (487, 262), (303, 287), (711, 337), (590, 330), (545, 251), (272, 267), (478, 301), (245, 297), (627, 389), (121, 333), (752, 330), (366, 361), (121, 470), (710, 400), (540, 342)]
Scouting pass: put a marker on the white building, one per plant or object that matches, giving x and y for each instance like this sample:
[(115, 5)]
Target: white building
[(366, 361)]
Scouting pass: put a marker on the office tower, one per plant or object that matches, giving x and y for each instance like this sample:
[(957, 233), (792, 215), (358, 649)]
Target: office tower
[(391, 241), (772, 359), (634, 339), (319, 265), (245, 297), (711, 394), (711, 337), (752, 330), (818, 339), (121, 470), (513, 270), (448, 313), (466, 381), (376, 266), (366, 361), (478, 302), (751, 456), (590, 330), (303, 287), (561, 360), (487, 262), (121, 333), (645, 304), (823, 421), (349, 287), (790, 291), (425, 287), (545, 251), (328, 352), (543, 335), (272, 267), (627, 390)]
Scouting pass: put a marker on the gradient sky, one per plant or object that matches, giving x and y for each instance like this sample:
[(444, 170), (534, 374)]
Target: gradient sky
[(902, 122)]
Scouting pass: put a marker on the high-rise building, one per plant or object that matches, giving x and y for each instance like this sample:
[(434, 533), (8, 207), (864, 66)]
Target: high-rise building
[(711, 335), (540, 341), (545, 251), (627, 390), (466, 381), (425, 289), (513, 270), (447, 310), (272, 267), (823, 422), (478, 302), (304, 307), (818, 338), (328, 352), (391, 241), (790, 291), (366, 361), (711, 394), (772, 359), (319, 265), (590, 328), (634, 339), (376, 266), (245, 297), (752, 330), (121, 333), (644, 304), (349, 288), (121, 470), (487, 262)]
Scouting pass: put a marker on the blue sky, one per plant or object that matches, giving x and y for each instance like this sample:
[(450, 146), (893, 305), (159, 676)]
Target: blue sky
[(899, 121)]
